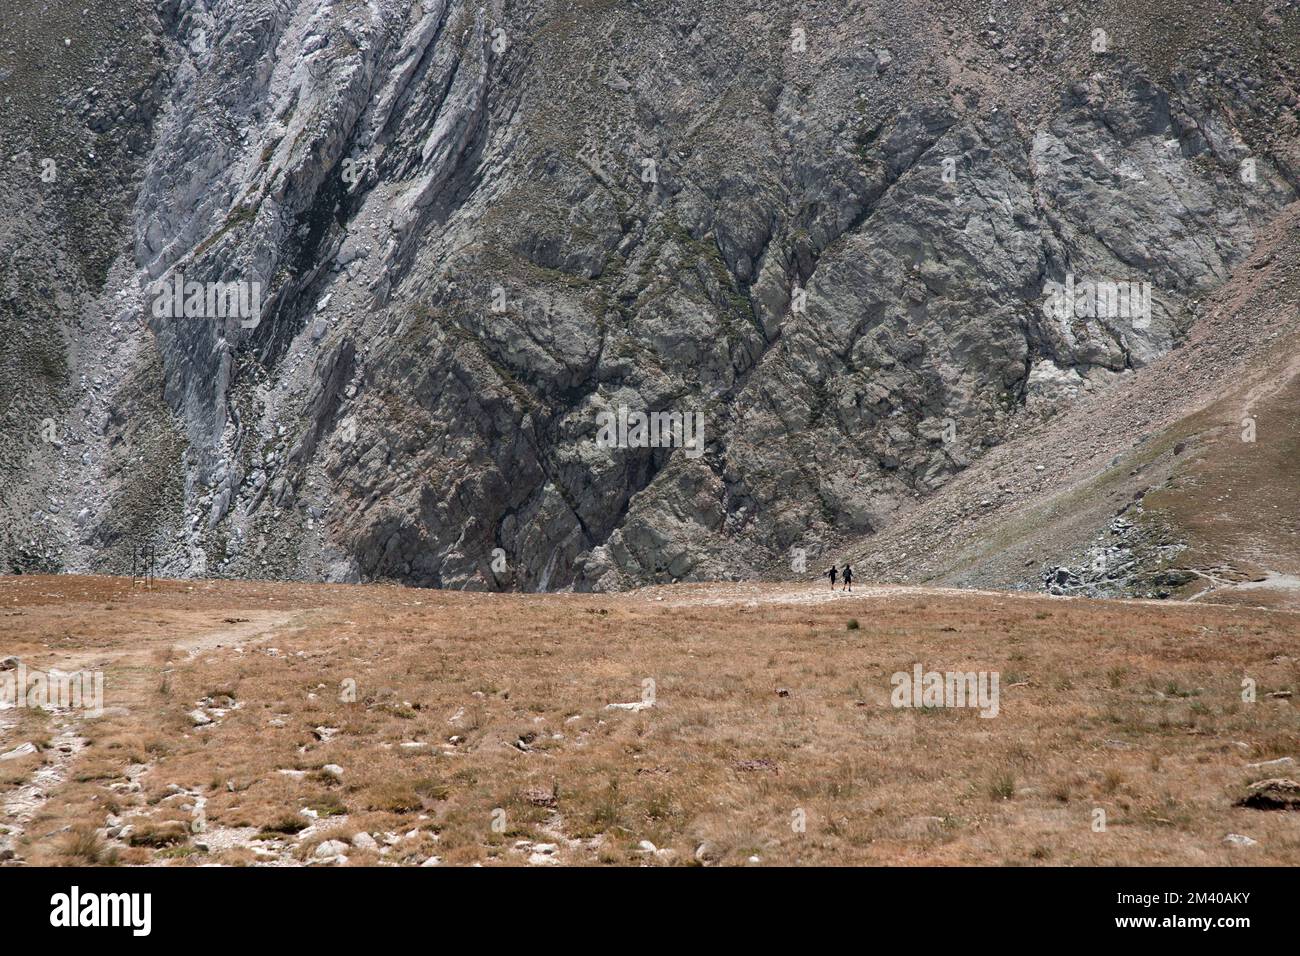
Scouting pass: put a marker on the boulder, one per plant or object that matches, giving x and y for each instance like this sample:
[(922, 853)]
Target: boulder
[(1276, 794)]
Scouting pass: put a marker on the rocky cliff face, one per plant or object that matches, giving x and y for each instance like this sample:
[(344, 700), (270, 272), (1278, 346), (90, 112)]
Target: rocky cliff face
[(830, 237)]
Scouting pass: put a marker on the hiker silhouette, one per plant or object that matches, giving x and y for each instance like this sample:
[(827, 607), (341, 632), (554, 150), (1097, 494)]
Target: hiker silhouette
[(831, 574), (848, 578)]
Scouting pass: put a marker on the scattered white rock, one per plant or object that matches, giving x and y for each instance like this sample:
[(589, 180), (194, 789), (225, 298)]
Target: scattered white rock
[(330, 849), (1238, 839), (1272, 764), (649, 849), (634, 706), (332, 770), (22, 750), (198, 718), (364, 841)]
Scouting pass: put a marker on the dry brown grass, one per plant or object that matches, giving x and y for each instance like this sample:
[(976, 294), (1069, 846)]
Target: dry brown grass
[(1134, 708)]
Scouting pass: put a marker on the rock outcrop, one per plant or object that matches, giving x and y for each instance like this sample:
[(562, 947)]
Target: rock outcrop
[(839, 241)]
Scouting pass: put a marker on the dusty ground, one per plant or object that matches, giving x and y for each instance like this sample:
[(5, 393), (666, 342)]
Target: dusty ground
[(481, 733)]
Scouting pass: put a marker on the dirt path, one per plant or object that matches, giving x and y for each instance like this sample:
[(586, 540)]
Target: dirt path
[(1270, 386), (740, 596), (125, 689), (1274, 582), (816, 593), (250, 627)]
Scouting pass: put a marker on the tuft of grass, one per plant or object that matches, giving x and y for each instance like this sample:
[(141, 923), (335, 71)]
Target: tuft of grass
[(285, 825), (328, 805), (1111, 780), (609, 808), (1002, 787), (85, 847), (430, 788), (177, 852), (393, 796), (160, 834)]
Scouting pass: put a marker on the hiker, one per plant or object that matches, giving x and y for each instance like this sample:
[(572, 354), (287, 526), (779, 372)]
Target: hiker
[(831, 574), (848, 578)]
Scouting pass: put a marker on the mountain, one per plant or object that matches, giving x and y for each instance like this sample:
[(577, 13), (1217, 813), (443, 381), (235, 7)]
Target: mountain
[(835, 238)]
